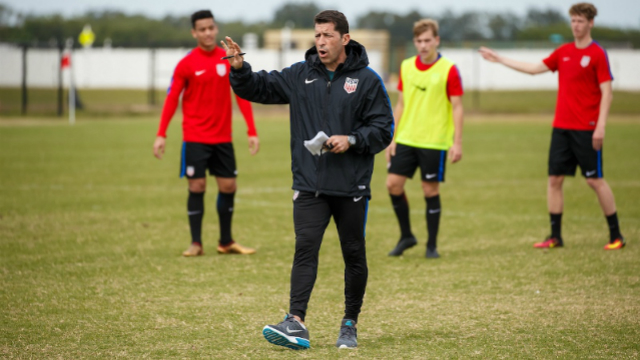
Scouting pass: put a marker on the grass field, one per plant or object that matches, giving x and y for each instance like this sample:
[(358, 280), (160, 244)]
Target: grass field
[(92, 227)]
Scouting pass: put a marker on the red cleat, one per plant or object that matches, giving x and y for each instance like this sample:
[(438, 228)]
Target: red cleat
[(549, 243), (617, 244)]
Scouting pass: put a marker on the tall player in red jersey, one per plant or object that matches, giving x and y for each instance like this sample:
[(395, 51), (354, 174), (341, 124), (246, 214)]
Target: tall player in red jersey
[(202, 78), (584, 98)]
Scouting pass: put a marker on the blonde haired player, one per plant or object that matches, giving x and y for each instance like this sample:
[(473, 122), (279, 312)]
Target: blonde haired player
[(584, 98), (428, 116)]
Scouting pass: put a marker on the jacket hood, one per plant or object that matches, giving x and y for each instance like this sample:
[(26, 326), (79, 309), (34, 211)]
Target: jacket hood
[(356, 57)]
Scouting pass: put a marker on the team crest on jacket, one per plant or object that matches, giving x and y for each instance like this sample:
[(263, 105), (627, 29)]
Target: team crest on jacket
[(350, 85), (221, 69), (585, 61)]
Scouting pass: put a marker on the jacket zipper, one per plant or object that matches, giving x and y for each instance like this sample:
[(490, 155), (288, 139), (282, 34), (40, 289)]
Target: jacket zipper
[(325, 123), (326, 127)]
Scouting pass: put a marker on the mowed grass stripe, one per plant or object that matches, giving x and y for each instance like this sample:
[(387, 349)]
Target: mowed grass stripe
[(92, 227)]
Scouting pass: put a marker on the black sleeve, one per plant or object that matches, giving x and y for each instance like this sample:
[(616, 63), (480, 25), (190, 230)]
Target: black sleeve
[(261, 87), (377, 115)]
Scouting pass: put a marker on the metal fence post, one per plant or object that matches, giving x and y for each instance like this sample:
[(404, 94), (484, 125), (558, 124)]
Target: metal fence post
[(24, 80), (60, 92), (152, 76)]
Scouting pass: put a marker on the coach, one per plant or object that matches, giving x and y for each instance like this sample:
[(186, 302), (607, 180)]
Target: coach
[(333, 91)]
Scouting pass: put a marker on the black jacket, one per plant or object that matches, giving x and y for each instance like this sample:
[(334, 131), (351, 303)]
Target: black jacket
[(355, 103)]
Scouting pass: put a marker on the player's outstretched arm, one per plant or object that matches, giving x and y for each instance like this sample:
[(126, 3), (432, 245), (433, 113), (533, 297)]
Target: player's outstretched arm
[(522, 66)]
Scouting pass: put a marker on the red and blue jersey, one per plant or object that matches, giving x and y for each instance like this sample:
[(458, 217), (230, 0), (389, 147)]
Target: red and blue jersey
[(580, 73), (206, 100)]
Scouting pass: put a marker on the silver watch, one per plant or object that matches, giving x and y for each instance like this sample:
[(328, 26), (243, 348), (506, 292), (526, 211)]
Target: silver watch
[(352, 140)]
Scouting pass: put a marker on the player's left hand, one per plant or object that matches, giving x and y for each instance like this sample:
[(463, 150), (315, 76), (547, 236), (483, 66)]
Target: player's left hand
[(340, 143), (598, 139), (455, 153), (254, 145)]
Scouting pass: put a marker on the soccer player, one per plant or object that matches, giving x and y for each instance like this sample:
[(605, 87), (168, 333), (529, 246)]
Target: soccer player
[(333, 91), (584, 98), (429, 116), (206, 127)]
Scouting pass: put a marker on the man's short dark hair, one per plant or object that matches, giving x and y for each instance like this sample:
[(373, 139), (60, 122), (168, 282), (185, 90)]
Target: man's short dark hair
[(335, 17), (199, 15)]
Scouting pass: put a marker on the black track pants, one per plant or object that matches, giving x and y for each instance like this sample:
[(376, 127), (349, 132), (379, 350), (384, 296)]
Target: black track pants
[(311, 216)]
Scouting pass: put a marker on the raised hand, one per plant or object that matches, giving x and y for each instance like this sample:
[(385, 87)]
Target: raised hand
[(232, 49)]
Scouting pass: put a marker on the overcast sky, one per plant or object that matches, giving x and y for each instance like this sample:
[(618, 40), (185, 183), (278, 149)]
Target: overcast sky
[(624, 13)]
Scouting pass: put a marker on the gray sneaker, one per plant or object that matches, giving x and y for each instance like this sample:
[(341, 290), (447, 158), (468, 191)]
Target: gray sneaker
[(432, 254), (403, 244), (289, 333), (348, 338)]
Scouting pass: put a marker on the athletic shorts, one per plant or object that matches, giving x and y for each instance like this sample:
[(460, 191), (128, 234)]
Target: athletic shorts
[(219, 159), (407, 159), (570, 148)]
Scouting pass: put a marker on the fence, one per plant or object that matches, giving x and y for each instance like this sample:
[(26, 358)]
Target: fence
[(34, 73)]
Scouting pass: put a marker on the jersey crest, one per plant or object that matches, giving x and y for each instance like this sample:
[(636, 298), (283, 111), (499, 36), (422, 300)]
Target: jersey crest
[(584, 62), (221, 69), (350, 85)]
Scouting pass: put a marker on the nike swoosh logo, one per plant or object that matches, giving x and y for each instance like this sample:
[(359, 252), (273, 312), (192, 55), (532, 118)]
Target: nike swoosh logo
[(307, 81), (193, 212), (421, 88), (430, 176), (589, 173), (434, 211), (198, 73), (356, 199), (293, 331)]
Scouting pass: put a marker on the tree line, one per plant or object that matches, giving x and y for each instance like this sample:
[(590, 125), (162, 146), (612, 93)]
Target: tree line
[(125, 30)]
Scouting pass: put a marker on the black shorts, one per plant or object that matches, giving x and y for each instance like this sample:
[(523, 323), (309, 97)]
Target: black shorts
[(218, 158), (570, 148), (432, 163)]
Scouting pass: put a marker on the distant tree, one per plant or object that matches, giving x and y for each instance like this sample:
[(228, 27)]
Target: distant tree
[(5, 15), (546, 17), (400, 27), (300, 15), (504, 26), (467, 26)]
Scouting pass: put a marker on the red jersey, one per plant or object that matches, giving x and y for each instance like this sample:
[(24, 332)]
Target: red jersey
[(454, 81), (580, 73), (206, 102)]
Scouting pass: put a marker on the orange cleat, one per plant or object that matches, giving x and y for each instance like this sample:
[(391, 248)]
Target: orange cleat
[(616, 244), (549, 243), (235, 248), (194, 249)]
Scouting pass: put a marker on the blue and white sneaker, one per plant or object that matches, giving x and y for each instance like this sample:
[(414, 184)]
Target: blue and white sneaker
[(348, 338), (289, 333)]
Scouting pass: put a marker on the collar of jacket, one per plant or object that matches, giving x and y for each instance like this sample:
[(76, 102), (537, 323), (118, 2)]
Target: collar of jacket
[(356, 58)]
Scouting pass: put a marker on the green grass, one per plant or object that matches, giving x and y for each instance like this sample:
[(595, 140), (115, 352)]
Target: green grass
[(101, 102), (92, 227)]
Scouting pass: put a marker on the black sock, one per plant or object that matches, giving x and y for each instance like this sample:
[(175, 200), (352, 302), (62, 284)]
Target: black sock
[(195, 210), (556, 225), (225, 213), (433, 220), (401, 207), (614, 227)]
